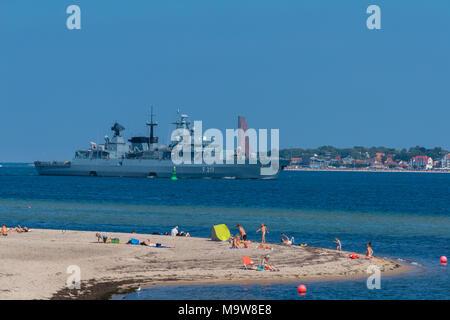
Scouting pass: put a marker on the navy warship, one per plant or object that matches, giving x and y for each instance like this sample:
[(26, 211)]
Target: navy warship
[(143, 156)]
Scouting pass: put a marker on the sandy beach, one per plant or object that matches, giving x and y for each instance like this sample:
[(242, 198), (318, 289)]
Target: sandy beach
[(34, 265)]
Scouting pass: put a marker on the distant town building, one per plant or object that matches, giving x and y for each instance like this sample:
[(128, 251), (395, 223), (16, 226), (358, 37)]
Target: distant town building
[(379, 158), (389, 162), (348, 160), (316, 163), (421, 162), (403, 164), (445, 164), (296, 161)]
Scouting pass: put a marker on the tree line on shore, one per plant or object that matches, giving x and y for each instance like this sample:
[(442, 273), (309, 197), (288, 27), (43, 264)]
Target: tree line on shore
[(361, 153)]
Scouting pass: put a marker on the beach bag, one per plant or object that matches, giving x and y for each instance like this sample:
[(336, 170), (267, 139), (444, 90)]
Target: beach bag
[(353, 256), (133, 241)]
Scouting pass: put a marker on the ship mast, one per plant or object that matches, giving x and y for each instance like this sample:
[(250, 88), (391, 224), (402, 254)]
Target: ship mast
[(152, 124)]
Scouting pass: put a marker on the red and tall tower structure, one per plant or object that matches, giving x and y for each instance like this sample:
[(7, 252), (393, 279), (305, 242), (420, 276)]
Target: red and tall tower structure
[(243, 141)]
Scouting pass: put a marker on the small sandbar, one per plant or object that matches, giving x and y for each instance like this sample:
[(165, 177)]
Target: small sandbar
[(34, 265)]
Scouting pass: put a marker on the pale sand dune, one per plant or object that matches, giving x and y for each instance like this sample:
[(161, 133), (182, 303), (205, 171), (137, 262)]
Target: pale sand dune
[(33, 265)]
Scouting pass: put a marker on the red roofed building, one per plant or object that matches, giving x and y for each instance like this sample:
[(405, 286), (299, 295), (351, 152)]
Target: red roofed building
[(421, 162)]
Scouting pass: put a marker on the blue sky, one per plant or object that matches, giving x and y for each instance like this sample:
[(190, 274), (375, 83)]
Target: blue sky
[(310, 68)]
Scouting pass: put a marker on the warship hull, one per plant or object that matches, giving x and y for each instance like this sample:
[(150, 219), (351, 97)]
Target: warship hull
[(149, 168)]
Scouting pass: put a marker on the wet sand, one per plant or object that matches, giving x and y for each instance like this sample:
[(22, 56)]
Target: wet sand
[(34, 265)]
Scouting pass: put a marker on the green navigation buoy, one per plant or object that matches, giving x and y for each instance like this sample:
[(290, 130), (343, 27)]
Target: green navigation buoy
[(174, 174)]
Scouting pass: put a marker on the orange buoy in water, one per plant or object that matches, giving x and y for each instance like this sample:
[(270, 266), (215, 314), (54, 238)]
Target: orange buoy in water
[(301, 288), (443, 260)]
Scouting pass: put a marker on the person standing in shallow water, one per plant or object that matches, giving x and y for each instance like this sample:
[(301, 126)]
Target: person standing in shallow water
[(263, 230)]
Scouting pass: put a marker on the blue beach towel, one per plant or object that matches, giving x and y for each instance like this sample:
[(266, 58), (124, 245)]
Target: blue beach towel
[(133, 241)]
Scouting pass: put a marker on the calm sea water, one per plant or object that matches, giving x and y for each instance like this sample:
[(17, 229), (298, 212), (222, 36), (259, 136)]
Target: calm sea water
[(405, 215)]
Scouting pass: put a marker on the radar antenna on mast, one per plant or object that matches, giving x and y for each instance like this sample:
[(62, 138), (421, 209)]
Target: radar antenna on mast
[(182, 122), (117, 128)]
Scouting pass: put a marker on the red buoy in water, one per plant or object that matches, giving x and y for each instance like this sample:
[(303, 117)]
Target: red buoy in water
[(443, 260), (301, 288)]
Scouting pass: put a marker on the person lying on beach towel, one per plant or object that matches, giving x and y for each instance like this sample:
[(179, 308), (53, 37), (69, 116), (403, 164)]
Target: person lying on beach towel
[(19, 229), (285, 240), (103, 236), (264, 246), (148, 243)]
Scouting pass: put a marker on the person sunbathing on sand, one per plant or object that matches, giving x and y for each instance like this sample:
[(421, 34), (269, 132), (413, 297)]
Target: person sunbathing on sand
[(264, 246), (285, 240), (20, 229), (148, 243), (236, 244), (265, 262), (247, 244)]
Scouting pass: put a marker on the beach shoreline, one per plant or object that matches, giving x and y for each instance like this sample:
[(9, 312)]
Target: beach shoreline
[(35, 264), (365, 170)]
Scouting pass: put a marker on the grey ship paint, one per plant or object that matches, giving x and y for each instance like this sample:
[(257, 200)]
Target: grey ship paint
[(144, 157)]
